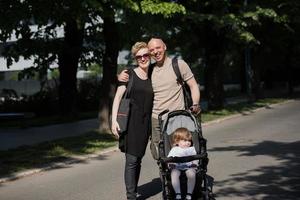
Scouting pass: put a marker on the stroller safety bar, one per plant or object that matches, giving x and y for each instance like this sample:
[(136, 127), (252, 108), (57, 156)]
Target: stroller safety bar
[(179, 112), (183, 159)]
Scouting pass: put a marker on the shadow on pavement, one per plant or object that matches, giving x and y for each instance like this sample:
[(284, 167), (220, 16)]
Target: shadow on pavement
[(273, 182), (31, 167), (42, 155), (149, 189)]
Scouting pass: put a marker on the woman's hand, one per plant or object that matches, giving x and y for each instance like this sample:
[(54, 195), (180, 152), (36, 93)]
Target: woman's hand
[(115, 128)]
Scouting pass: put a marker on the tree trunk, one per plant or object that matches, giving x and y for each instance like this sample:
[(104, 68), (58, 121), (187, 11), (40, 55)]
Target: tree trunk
[(214, 70), (243, 80), (289, 71), (111, 40), (68, 63), (257, 67), (214, 82)]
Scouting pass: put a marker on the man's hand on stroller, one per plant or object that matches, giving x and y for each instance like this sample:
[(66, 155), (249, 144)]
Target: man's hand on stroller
[(195, 109)]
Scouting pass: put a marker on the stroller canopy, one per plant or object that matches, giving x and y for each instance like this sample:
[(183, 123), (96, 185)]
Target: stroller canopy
[(179, 119)]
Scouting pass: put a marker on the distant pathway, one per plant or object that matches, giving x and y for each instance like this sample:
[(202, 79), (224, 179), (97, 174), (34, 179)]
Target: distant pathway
[(14, 137)]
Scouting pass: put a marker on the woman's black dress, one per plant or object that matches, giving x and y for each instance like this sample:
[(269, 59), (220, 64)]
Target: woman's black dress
[(135, 141)]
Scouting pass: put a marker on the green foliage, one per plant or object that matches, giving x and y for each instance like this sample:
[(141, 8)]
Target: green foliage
[(164, 8), (13, 76), (197, 30), (42, 42), (95, 70), (247, 37), (54, 73), (89, 94)]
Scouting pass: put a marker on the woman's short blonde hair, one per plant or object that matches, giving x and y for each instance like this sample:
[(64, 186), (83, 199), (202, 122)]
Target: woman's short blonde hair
[(137, 46), (181, 134)]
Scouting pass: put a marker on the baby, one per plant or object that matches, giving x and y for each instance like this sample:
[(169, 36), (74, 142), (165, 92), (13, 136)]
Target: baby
[(182, 141)]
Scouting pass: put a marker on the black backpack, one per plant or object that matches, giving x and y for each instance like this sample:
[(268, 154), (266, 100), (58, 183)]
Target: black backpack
[(188, 102)]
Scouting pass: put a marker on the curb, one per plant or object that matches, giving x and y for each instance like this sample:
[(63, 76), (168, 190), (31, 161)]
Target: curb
[(245, 113), (77, 159), (56, 165)]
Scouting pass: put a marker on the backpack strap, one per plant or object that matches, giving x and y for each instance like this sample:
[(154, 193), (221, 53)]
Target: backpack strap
[(150, 69), (130, 83), (177, 71), (186, 91)]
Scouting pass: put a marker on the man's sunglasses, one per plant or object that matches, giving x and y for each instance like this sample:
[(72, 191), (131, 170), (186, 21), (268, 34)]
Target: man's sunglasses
[(144, 56)]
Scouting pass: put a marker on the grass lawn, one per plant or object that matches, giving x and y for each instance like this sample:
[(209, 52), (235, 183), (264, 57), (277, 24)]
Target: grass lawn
[(29, 157), (238, 108)]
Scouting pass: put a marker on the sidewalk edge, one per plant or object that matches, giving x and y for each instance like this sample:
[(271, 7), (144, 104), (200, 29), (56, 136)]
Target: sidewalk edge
[(77, 159), (245, 113), (56, 165)]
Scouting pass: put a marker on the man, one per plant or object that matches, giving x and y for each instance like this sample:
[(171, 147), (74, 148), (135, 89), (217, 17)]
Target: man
[(168, 93)]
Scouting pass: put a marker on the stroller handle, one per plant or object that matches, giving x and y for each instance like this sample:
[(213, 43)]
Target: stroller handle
[(180, 112), (184, 159), (162, 113)]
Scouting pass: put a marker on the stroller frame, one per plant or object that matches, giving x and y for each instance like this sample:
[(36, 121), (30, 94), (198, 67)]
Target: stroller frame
[(202, 189)]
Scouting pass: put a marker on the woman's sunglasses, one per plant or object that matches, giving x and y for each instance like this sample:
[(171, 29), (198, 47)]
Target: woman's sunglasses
[(144, 56)]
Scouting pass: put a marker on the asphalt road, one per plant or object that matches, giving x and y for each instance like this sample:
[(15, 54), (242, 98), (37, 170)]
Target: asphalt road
[(255, 156)]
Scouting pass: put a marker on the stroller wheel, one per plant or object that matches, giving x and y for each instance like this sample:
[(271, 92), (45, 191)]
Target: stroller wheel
[(207, 194), (166, 192), (211, 197)]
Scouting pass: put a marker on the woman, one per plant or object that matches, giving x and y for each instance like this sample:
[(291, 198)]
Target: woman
[(136, 138)]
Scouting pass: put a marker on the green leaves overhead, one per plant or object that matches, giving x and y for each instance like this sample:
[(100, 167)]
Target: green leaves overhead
[(167, 9), (260, 12)]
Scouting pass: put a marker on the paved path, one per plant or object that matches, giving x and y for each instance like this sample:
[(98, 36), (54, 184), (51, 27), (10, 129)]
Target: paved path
[(254, 157), (14, 137)]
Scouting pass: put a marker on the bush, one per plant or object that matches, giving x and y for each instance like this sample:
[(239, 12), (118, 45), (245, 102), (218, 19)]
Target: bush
[(46, 101), (88, 94)]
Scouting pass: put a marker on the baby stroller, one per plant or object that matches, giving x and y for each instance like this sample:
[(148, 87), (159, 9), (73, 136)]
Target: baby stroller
[(174, 120)]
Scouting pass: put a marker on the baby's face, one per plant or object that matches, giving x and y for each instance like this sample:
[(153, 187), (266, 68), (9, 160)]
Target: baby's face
[(184, 143)]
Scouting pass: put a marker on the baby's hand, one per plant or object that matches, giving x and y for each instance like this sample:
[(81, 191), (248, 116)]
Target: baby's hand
[(194, 165), (171, 165)]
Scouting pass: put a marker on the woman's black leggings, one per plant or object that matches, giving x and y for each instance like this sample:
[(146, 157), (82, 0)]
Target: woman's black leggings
[(131, 175)]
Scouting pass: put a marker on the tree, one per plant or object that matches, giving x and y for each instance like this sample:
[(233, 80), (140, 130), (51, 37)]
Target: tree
[(212, 30), (91, 30), (273, 28), (204, 36), (47, 32), (284, 44)]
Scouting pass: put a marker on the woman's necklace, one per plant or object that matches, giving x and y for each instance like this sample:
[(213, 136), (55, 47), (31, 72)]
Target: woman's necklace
[(142, 74)]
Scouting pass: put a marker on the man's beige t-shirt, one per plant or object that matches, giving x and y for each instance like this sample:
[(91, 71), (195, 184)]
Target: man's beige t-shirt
[(167, 91)]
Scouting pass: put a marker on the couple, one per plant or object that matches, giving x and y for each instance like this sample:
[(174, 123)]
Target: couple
[(150, 96)]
